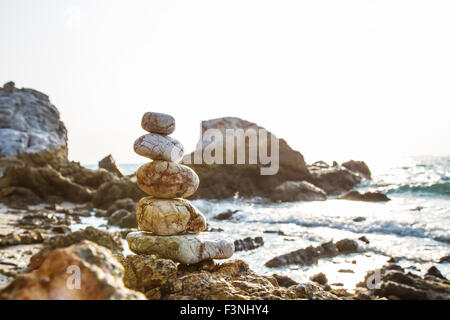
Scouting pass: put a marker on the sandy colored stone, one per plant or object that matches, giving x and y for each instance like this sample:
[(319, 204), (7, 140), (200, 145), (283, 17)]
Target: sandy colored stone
[(158, 123), (187, 249), (163, 179), (159, 147), (169, 216)]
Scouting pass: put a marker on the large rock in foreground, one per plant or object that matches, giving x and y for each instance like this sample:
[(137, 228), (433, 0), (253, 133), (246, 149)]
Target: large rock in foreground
[(225, 180), (83, 271), (30, 124), (187, 249)]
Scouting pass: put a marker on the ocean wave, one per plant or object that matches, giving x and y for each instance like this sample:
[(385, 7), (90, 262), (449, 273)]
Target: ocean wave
[(439, 188)]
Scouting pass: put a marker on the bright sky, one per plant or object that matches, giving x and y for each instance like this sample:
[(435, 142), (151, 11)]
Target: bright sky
[(337, 79)]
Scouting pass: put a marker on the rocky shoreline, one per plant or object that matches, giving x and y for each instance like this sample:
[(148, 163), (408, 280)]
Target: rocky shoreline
[(42, 194)]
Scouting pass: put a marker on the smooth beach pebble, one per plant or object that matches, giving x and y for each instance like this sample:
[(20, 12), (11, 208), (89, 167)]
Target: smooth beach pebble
[(158, 147), (158, 123), (169, 216), (163, 179), (187, 249)]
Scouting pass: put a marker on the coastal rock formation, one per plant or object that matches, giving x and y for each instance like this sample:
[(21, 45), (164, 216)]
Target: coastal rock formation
[(297, 191), (333, 180), (311, 255), (225, 180), (114, 190), (358, 167), (163, 179), (355, 195), (186, 249), (100, 277), (159, 147), (123, 218), (30, 123), (248, 243), (169, 216), (109, 163)]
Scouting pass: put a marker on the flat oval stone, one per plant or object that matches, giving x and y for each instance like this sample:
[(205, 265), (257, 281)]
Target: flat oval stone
[(187, 249), (158, 147), (163, 179), (156, 122), (169, 216)]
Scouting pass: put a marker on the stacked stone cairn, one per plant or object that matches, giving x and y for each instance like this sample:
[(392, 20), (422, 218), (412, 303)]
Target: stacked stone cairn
[(170, 225)]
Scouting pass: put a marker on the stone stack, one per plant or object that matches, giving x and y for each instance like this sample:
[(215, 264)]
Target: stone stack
[(170, 225)]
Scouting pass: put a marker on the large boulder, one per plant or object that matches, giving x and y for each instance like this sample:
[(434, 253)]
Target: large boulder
[(358, 167), (297, 191), (334, 180), (30, 124), (109, 163), (225, 180), (84, 271), (114, 190)]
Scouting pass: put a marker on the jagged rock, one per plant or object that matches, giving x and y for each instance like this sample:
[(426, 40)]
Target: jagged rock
[(358, 167), (30, 124), (284, 281), (123, 218), (311, 255), (110, 240), (364, 239), (297, 191), (434, 272), (100, 276), (187, 249), (355, 195), (127, 204), (320, 278), (108, 163), (334, 180), (83, 176), (225, 180), (248, 243), (114, 190)]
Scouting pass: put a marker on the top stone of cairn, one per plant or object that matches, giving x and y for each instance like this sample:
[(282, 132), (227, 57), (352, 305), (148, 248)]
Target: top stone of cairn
[(156, 122)]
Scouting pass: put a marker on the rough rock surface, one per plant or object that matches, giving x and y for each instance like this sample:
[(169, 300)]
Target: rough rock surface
[(311, 255), (109, 163), (164, 179), (225, 180), (159, 147), (169, 216), (297, 191), (187, 249), (158, 123), (100, 277), (29, 123), (355, 195), (163, 279)]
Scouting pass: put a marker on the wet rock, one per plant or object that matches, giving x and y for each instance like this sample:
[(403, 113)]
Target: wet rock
[(225, 215), (123, 218), (159, 147), (42, 221), (110, 240), (127, 204), (163, 179), (279, 232), (355, 195), (334, 180), (100, 276), (347, 246), (358, 219), (358, 167), (29, 123), (284, 281), (346, 271), (158, 123), (220, 181), (320, 278), (112, 191), (434, 272), (187, 249), (364, 239), (21, 237), (169, 216), (297, 191), (444, 259), (248, 243), (109, 163)]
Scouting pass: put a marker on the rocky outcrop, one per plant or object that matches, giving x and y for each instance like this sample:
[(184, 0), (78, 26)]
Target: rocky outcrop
[(392, 282), (225, 180), (109, 163), (163, 279), (311, 255), (123, 219), (30, 124), (358, 167), (248, 243), (333, 180), (297, 191), (84, 271), (112, 191), (355, 195)]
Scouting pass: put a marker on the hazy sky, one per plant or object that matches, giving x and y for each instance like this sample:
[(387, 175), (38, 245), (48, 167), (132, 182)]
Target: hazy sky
[(337, 79)]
